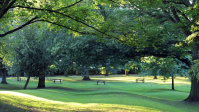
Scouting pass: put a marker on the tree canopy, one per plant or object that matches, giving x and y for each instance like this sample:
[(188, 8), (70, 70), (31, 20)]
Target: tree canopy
[(162, 28), (166, 28)]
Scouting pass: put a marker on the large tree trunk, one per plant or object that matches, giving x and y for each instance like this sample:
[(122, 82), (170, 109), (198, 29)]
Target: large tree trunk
[(194, 92), (86, 78), (41, 83), (155, 77), (172, 82), (4, 72), (27, 81)]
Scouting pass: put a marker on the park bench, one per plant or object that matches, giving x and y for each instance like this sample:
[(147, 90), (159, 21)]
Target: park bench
[(20, 79), (101, 82), (57, 80), (140, 79)]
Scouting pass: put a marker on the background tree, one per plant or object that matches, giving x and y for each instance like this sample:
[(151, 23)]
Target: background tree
[(32, 54), (5, 54), (3, 72), (166, 67), (87, 51)]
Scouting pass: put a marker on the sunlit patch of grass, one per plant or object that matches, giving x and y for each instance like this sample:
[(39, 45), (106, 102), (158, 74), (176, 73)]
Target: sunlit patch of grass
[(32, 103)]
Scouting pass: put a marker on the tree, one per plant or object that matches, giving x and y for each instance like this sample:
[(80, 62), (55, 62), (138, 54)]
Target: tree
[(32, 54), (152, 66), (4, 56), (86, 51), (3, 72), (166, 67), (77, 16), (161, 28), (133, 64)]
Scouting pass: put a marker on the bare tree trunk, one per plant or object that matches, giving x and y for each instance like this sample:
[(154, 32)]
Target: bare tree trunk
[(194, 93), (172, 82), (4, 72), (155, 77), (27, 81), (41, 83)]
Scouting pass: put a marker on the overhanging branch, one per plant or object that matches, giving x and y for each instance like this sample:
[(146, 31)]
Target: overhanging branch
[(74, 19), (65, 27), (18, 28)]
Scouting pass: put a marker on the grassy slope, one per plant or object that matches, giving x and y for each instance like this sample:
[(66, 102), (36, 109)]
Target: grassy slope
[(119, 94)]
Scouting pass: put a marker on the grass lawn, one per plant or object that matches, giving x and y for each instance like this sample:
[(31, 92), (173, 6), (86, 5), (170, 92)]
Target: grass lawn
[(120, 94)]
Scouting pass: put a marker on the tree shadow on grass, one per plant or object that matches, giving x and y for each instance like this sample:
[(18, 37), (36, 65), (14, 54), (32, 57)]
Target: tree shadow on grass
[(6, 107), (10, 87), (159, 90), (74, 90)]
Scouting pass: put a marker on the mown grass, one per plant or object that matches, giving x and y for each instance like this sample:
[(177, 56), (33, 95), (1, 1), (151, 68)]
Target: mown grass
[(121, 93)]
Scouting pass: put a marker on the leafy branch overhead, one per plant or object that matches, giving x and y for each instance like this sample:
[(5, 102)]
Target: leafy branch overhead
[(77, 16)]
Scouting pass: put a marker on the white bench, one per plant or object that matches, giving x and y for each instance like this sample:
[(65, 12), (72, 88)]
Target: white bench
[(57, 80)]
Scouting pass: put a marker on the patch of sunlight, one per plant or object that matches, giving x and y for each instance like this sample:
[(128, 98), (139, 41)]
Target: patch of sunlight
[(30, 102), (25, 95)]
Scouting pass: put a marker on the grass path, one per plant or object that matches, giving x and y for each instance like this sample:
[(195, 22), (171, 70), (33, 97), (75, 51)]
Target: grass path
[(120, 94)]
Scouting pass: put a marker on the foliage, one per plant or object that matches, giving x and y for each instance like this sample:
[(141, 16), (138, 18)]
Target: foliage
[(52, 69), (163, 67), (77, 16), (31, 54), (85, 52), (146, 28), (161, 28)]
